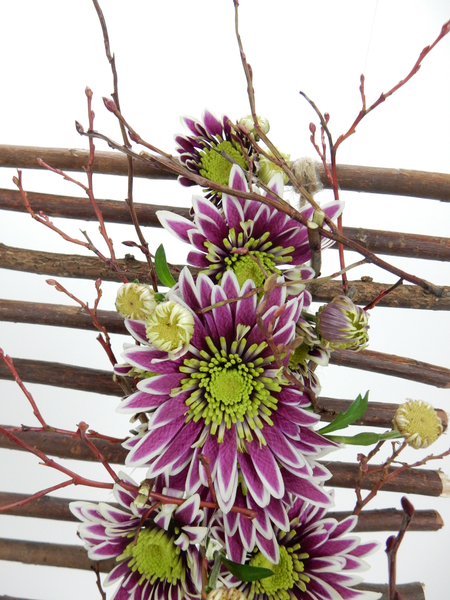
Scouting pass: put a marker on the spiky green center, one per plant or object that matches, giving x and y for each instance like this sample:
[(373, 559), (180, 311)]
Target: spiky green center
[(226, 390), (155, 557), (216, 166), (287, 574), (248, 266)]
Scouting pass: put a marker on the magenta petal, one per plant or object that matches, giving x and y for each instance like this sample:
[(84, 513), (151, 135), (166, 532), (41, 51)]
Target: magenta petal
[(142, 357), (227, 464), (233, 213), (137, 330), (140, 402), (306, 489), (175, 224), (187, 436), (170, 410), (268, 547), (252, 479), (266, 468), (161, 384), (212, 124), (153, 442), (238, 180), (222, 314)]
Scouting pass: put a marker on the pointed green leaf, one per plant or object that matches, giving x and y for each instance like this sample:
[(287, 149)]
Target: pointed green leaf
[(246, 572), (162, 269), (366, 438), (354, 412)]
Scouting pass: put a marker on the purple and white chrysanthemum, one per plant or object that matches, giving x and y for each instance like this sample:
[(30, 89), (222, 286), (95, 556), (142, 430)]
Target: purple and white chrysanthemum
[(225, 398), (317, 559), (245, 236), (157, 550), (210, 150)]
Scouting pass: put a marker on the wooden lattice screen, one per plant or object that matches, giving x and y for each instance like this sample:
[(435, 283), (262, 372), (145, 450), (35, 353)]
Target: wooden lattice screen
[(425, 482)]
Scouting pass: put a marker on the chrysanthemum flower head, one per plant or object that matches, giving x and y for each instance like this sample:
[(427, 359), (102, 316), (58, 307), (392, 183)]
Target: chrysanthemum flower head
[(228, 399), (245, 236), (156, 550), (135, 301), (211, 149), (342, 325), (317, 559), (418, 423), (267, 168), (249, 124), (170, 328)]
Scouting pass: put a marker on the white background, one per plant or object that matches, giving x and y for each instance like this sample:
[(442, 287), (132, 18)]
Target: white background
[(179, 57)]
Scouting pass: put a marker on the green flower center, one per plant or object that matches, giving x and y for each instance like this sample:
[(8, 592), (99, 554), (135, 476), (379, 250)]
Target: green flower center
[(216, 167), (287, 574), (227, 391), (246, 266), (155, 556), (299, 356)]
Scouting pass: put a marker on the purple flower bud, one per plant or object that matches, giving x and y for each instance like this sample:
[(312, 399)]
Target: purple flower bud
[(342, 325)]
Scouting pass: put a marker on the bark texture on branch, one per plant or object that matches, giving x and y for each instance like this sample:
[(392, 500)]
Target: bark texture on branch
[(396, 366), (408, 591), (409, 481), (378, 414), (389, 519), (90, 267), (380, 242), (400, 182), (75, 557)]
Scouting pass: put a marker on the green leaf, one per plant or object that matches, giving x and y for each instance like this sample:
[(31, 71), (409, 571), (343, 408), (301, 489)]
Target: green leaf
[(365, 439), (162, 269), (246, 572), (354, 412)]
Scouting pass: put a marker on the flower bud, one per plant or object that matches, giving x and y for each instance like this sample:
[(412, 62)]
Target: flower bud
[(249, 124), (418, 423), (170, 328), (135, 301), (342, 325), (267, 168)]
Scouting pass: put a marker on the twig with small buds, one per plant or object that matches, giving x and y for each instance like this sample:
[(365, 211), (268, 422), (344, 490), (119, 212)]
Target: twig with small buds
[(392, 546)]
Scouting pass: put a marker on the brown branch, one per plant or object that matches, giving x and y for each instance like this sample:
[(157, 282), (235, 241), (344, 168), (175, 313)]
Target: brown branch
[(408, 591), (401, 182), (75, 557), (396, 366), (381, 242), (389, 519), (378, 414), (88, 267), (409, 481)]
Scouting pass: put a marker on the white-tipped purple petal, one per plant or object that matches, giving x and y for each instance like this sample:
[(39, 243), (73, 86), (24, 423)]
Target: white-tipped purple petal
[(267, 468)]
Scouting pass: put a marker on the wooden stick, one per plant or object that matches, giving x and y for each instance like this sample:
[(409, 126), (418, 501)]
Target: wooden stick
[(87, 267), (389, 519), (381, 242), (96, 380), (410, 481), (408, 591), (396, 366), (421, 184), (378, 414), (75, 557)]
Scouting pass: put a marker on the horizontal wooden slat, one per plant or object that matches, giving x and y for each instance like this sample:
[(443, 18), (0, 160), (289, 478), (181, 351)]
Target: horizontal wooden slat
[(90, 267), (395, 366), (389, 519), (402, 182), (378, 414), (408, 481), (381, 242), (75, 557)]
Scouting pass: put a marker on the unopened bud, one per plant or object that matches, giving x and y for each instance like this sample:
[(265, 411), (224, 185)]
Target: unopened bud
[(249, 124), (342, 325), (110, 104)]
